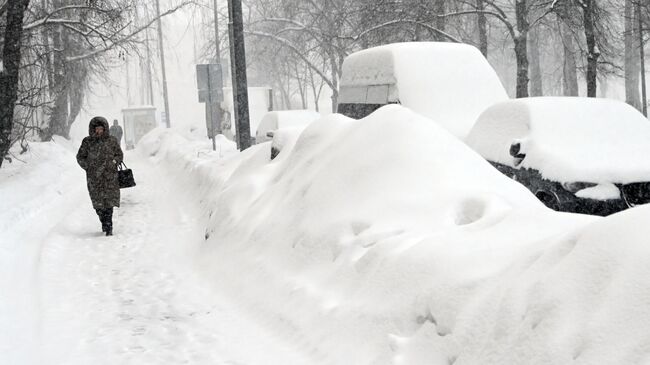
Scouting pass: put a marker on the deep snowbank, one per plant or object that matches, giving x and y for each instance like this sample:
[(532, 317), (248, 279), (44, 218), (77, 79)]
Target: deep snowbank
[(40, 184), (386, 240)]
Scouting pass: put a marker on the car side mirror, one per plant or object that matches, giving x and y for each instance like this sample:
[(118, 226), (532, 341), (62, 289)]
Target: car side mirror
[(515, 150)]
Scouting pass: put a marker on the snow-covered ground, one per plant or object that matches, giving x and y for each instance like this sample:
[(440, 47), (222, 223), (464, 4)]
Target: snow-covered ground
[(379, 241)]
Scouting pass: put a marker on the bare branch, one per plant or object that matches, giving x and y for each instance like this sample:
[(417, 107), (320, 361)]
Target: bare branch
[(116, 42), (404, 21), (298, 52)]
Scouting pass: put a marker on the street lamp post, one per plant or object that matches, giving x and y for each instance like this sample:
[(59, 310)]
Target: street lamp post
[(162, 65)]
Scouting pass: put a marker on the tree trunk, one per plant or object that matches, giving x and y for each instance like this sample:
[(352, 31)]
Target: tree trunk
[(419, 32), (45, 34), (302, 86), (592, 48), (536, 84), (569, 67), (76, 94), (286, 98), (335, 82), (632, 65), (482, 28), (644, 91), (59, 87), (521, 49), (316, 90), (9, 73), (439, 8)]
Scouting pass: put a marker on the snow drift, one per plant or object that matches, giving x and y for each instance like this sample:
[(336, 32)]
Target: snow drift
[(379, 241), (388, 241), (35, 185)]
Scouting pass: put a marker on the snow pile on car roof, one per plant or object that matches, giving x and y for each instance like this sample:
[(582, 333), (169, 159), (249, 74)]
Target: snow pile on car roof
[(448, 82), (290, 118), (284, 119), (568, 139)]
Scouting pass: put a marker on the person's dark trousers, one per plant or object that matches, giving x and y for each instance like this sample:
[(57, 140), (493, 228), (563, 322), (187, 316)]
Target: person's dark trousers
[(106, 218)]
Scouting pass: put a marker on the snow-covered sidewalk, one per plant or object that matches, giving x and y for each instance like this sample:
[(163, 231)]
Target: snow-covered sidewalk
[(130, 298)]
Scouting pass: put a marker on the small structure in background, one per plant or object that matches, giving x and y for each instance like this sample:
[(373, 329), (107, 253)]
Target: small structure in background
[(273, 121), (138, 121)]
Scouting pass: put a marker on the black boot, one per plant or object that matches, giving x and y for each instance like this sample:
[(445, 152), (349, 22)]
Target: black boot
[(108, 219), (102, 218)]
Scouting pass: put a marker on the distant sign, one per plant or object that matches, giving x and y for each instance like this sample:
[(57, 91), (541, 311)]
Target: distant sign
[(209, 82)]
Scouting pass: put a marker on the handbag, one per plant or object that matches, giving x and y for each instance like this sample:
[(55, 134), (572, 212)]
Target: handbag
[(125, 176)]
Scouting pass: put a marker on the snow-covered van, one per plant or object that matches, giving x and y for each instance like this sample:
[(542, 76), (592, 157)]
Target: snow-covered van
[(582, 155), (275, 120), (450, 83)]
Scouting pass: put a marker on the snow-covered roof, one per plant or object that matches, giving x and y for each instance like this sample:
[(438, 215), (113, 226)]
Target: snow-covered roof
[(138, 107), (568, 138), (450, 83)]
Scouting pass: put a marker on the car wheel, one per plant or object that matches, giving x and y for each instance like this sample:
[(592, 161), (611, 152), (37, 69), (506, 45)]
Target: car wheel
[(549, 199)]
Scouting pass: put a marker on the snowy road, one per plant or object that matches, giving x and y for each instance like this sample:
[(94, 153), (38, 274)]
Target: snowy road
[(133, 298)]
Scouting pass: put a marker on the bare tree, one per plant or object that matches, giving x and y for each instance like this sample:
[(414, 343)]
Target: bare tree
[(589, 9), (9, 70), (632, 65), (66, 43)]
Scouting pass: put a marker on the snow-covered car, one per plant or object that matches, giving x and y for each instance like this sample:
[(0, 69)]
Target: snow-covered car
[(582, 155), (275, 120), (449, 83)]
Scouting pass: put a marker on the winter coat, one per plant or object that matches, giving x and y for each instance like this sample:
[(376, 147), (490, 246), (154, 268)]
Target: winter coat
[(116, 131), (100, 156)]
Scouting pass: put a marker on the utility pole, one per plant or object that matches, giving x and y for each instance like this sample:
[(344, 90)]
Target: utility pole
[(644, 97), (216, 33), (239, 82), (148, 72), (162, 65)]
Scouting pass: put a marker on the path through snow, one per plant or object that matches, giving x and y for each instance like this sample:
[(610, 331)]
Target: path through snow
[(133, 298)]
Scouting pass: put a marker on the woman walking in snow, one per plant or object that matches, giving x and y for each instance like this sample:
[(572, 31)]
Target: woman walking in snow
[(99, 155)]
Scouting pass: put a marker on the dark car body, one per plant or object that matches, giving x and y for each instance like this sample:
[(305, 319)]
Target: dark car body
[(555, 195), (577, 155)]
